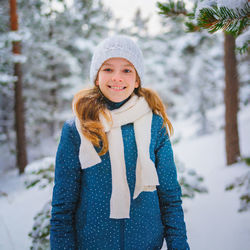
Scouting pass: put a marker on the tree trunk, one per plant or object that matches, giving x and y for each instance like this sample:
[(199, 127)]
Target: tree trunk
[(21, 155), (231, 100)]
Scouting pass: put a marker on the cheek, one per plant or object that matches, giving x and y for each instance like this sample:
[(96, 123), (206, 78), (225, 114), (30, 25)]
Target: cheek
[(102, 78), (132, 79)]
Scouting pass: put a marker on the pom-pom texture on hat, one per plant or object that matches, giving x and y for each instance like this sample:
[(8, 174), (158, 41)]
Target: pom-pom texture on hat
[(117, 46)]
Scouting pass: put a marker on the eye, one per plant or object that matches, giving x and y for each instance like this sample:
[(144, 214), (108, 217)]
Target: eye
[(107, 69), (127, 70)]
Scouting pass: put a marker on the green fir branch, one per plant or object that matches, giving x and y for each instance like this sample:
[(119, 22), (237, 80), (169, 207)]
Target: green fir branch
[(233, 21), (229, 20), (192, 27), (41, 177), (243, 49), (242, 184), (172, 8)]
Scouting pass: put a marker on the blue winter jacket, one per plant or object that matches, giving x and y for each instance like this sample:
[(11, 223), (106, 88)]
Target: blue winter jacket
[(81, 198)]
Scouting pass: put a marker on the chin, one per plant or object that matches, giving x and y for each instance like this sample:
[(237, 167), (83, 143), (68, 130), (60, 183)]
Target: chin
[(118, 100)]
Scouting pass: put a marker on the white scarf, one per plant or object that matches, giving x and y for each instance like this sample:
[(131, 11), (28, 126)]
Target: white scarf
[(137, 111)]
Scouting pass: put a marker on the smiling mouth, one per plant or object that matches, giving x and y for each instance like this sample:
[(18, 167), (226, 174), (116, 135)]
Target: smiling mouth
[(116, 87)]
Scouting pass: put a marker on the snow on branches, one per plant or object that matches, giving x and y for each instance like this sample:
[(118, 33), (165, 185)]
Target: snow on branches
[(231, 16)]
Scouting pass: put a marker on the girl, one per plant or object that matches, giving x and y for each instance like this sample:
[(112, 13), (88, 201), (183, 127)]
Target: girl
[(115, 177)]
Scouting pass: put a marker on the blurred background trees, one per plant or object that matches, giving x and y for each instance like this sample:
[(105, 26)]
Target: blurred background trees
[(233, 19), (57, 42), (186, 69)]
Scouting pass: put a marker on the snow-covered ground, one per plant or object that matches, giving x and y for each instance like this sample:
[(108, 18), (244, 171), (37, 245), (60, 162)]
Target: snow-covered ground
[(17, 210), (213, 222)]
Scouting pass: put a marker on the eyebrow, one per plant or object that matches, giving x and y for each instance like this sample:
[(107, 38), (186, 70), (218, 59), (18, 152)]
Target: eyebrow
[(124, 65)]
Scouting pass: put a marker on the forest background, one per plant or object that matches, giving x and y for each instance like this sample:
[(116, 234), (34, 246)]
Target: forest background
[(57, 39)]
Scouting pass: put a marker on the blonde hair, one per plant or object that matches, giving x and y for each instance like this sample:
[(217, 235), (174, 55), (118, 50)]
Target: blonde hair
[(88, 104)]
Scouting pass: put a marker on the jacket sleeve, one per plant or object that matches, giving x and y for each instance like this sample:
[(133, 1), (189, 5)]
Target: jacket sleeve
[(169, 193), (65, 192)]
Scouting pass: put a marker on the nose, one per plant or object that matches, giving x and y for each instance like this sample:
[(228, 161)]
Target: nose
[(117, 77)]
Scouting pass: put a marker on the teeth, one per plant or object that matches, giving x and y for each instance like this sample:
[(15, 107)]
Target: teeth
[(116, 87)]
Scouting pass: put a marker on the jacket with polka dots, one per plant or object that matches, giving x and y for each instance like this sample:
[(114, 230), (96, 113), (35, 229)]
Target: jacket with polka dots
[(81, 198)]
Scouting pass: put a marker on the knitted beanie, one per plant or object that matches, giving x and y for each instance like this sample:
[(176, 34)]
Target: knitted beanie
[(117, 46)]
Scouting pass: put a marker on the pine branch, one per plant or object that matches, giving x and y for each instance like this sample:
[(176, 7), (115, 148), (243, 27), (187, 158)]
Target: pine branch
[(192, 27), (229, 20), (233, 21), (172, 8), (243, 48)]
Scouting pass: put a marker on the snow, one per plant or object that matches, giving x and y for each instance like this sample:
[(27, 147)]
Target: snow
[(212, 218), (204, 4), (16, 58), (7, 78), (84, 44), (232, 4), (243, 38), (17, 210), (236, 5), (14, 36)]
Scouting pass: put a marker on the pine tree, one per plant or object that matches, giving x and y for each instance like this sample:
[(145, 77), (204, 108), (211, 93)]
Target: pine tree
[(58, 47), (7, 135), (160, 63), (232, 18), (21, 155), (178, 69), (173, 8)]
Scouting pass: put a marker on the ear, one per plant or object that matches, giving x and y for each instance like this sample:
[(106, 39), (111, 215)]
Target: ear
[(137, 81), (137, 84), (96, 81)]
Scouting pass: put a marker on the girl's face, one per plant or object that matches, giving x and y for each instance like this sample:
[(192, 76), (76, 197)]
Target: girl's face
[(117, 79)]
